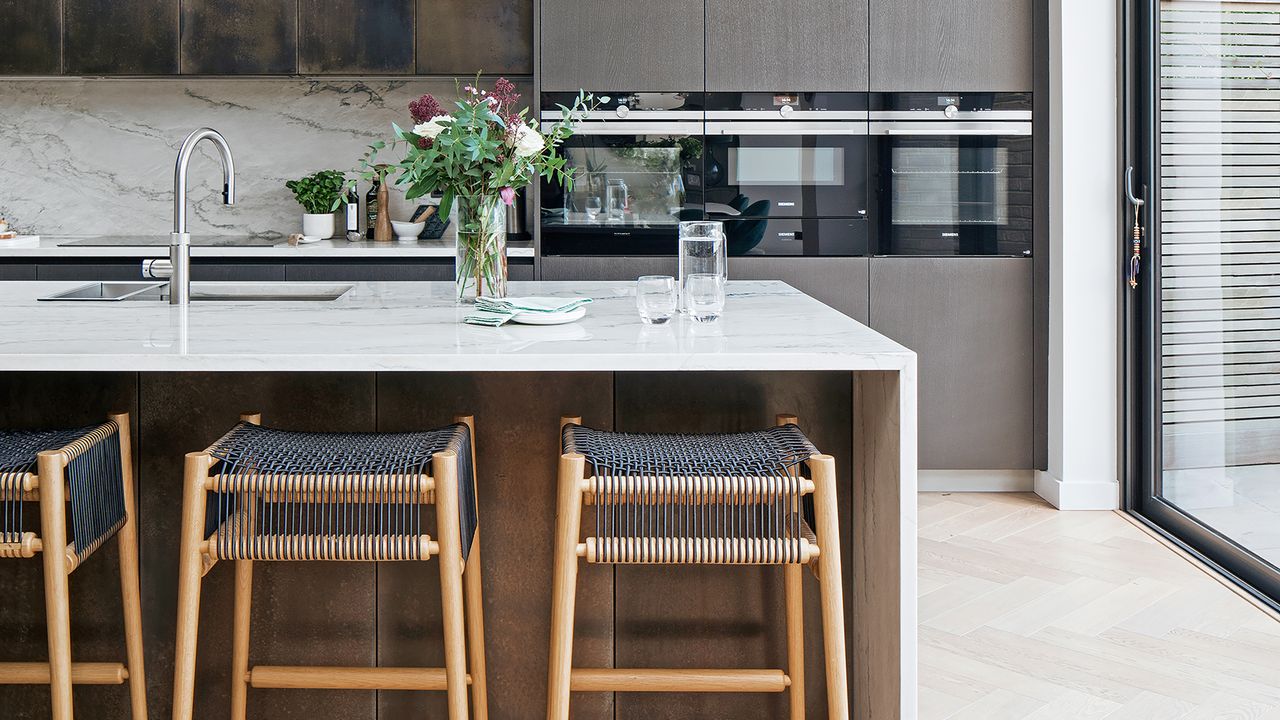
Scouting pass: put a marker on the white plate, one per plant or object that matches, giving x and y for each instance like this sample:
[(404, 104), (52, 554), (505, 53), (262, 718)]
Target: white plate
[(543, 318), (308, 239)]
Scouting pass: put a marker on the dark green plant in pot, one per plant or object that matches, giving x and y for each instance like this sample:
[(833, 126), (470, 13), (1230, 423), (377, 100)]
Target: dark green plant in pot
[(318, 193)]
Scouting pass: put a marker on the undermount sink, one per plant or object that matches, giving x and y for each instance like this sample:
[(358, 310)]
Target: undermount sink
[(206, 292)]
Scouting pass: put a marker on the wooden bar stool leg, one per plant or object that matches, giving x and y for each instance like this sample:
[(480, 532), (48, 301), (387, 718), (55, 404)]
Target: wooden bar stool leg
[(444, 467), (793, 576), (130, 589), (473, 587), (190, 570), (565, 581), (240, 639), (830, 582), (53, 531)]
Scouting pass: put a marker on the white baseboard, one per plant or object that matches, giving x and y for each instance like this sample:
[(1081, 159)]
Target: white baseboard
[(976, 480), (1102, 495)]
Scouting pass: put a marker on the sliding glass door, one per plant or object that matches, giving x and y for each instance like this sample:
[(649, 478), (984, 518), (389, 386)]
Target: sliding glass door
[(1204, 321)]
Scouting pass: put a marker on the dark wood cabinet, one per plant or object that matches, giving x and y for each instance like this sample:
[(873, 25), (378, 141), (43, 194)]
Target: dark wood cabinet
[(970, 322), (32, 42), (355, 36), (841, 282), (612, 45), (239, 37), (951, 45), (464, 37), (120, 37), (765, 45)]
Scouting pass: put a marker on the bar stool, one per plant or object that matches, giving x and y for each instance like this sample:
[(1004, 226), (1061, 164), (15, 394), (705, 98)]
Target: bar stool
[(265, 494), (91, 470), (734, 499)]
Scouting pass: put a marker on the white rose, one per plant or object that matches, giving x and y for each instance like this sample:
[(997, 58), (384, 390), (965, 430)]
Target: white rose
[(527, 141), (432, 127)]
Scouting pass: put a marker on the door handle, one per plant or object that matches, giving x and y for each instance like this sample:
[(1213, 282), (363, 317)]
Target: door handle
[(1135, 251)]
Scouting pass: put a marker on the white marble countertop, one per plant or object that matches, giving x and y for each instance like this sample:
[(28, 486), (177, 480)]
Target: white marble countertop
[(417, 327), (55, 247)]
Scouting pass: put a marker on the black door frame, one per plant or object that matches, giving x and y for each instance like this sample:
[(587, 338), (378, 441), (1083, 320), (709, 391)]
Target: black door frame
[(1140, 321)]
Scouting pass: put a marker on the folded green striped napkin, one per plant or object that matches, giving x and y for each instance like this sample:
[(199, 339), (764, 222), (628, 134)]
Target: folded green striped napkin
[(493, 312)]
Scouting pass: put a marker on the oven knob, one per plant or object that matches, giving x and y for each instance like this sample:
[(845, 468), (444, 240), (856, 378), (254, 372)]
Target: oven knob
[(623, 111), (786, 110), (951, 111)]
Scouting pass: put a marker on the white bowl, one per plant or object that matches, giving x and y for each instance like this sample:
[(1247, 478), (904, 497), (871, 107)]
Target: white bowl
[(407, 231)]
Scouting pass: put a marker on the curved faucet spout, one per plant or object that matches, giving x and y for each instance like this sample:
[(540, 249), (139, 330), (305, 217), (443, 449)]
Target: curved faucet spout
[(180, 243), (180, 173)]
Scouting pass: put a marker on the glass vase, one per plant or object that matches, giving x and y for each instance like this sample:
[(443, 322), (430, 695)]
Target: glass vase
[(481, 264)]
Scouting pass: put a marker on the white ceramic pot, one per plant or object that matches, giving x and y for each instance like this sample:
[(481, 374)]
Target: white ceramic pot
[(317, 225)]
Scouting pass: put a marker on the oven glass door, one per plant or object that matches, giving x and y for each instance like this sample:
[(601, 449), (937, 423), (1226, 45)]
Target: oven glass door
[(633, 182), (955, 194), (788, 169)]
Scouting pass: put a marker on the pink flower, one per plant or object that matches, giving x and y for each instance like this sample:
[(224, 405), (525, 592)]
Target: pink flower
[(425, 108), (508, 195)]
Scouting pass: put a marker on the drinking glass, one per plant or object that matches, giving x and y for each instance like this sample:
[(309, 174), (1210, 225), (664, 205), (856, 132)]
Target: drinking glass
[(704, 296), (593, 208), (702, 251), (656, 298), (615, 199)]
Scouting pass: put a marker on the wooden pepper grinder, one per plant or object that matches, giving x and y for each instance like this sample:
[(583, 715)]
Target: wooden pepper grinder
[(382, 230)]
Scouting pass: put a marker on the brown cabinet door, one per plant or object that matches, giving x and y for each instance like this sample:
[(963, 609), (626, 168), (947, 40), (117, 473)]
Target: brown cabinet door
[(970, 322), (655, 45), (951, 45), (765, 45)]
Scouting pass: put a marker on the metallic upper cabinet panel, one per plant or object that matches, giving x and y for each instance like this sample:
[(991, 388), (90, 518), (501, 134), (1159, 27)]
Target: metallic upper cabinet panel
[(33, 38), (957, 45), (653, 45), (356, 36), (766, 45), (463, 37), (120, 37), (233, 37)]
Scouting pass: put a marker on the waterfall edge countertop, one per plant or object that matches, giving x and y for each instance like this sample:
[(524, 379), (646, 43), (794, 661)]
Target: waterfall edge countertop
[(767, 325), (204, 246)]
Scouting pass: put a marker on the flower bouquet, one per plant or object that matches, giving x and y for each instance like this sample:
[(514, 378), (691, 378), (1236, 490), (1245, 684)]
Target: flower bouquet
[(477, 155)]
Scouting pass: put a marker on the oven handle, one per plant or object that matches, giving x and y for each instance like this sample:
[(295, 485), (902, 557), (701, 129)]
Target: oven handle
[(811, 127), (951, 128), (633, 128)]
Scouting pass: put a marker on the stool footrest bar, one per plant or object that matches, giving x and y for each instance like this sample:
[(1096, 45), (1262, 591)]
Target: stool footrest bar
[(319, 677), (677, 680), (82, 673)]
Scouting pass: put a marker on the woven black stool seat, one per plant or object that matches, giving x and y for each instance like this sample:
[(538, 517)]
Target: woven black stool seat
[(776, 452), (331, 496), (95, 489), (734, 498)]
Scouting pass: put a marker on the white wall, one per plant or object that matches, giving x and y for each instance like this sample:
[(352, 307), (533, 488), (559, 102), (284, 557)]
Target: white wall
[(1083, 472)]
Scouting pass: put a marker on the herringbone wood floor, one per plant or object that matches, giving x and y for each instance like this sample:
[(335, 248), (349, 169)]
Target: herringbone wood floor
[(1027, 613)]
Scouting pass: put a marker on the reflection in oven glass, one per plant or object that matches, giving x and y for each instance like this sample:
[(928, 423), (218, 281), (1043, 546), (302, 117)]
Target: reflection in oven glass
[(640, 182)]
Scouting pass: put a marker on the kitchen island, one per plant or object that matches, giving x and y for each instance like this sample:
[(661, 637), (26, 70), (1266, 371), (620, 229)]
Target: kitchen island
[(395, 356)]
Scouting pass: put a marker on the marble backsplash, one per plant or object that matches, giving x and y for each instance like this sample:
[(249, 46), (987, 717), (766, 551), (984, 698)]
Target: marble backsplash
[(95, 156)]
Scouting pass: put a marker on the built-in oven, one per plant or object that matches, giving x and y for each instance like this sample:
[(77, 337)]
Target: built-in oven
[(787, 172), (953, 173), (637, 162)]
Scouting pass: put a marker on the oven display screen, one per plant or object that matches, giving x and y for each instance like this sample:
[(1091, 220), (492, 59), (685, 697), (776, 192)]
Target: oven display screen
[(782, 166)]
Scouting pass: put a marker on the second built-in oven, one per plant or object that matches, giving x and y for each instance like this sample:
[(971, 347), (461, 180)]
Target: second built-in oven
[(953, 173), (637, 165), (787, 172)]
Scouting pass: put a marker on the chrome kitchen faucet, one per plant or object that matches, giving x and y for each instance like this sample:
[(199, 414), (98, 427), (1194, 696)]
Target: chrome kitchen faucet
[(180, 241)]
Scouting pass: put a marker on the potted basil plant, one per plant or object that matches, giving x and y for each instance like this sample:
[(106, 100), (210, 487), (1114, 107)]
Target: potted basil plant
[(318, 194)]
